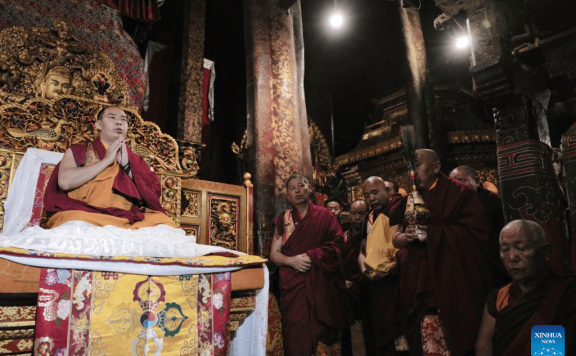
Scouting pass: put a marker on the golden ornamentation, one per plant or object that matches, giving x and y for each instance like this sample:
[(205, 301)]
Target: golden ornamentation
[(101, 288), (50, 62), (242, 303), (487, 175), (190, 105), (223, 222), (372, 151), (193, 199), (455, 137), (190, 231), (171, 197), (10, 316), (319, 147), (357, 192)]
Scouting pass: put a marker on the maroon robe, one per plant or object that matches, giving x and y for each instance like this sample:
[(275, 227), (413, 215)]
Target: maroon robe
[(492, 205), (314, 304), (449, 273), (144, 190), (552, 302)]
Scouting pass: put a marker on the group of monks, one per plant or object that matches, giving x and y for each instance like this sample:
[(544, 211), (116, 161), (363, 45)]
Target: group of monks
[(464, 284), (461, 285)]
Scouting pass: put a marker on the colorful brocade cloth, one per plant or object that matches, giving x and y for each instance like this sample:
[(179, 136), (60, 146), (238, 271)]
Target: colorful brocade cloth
[(119, 314)]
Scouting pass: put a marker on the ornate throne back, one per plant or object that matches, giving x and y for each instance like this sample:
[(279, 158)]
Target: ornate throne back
[(49, 99)]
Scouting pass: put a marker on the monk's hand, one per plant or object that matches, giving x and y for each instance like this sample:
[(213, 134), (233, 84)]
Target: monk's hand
[(410, 233), (112, 152), (350, 285), (422, 232), (122, 153), (301, 263)]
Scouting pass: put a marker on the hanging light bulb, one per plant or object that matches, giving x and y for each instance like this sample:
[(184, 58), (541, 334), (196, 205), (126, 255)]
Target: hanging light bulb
[(336, 18)]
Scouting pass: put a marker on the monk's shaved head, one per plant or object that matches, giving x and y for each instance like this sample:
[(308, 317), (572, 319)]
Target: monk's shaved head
[(524, 252), (375, 180), (426, 155), (528, 228), (375, 193), (466, 175), (426, 169)]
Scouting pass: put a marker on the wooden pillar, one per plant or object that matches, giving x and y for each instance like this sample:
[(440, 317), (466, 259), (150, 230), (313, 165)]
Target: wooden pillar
[(190, 101), (528, 184), (278, 141), (416, 75)]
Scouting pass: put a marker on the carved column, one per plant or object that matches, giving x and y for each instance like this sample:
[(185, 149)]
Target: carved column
[(190, 101), (528, 184), (416, 74), (278, 142)]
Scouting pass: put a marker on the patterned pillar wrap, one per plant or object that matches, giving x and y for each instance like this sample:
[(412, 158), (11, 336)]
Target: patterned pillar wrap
[(190, 101), (416, 75), (278, 141), (530, 191), (97, 25), (569, 163)]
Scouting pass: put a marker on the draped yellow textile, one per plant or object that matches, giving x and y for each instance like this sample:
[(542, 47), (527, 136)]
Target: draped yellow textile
[(380, 252), (98, 192)]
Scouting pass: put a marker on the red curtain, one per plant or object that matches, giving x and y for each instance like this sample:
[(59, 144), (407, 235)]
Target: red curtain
[(146, 10)]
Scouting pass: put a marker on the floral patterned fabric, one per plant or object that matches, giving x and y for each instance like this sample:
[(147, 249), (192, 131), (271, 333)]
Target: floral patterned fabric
[(85, 313), (433, 338)]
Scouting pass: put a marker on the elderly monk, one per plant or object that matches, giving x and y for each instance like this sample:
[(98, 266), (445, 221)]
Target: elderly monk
[(536, 296), (382, 320), (104, 182), (444, 273), (313, 299), (492, 205)]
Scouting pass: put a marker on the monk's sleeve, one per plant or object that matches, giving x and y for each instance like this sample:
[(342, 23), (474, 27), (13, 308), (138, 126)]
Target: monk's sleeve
[(328, 256), (467, 225), (147, 182)]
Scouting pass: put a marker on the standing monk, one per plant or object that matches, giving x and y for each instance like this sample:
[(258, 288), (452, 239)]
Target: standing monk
[(492, 205), (444, 273), (382, 320), (306, 247), (104, 182)]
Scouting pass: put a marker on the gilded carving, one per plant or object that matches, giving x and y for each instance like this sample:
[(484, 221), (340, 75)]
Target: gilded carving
[(224, 223), (193, 200), (190, 230), (171, 197), (372, 151), (487, 175), (49, 62), (473, 136)]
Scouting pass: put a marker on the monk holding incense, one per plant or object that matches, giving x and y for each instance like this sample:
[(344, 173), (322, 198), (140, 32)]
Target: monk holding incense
[(444, 273), (104, 182)]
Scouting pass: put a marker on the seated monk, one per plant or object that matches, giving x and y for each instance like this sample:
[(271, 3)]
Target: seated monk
[(104, 182), (536, 296)]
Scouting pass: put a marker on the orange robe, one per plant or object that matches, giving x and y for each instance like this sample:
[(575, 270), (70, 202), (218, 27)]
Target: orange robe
[(98, 193)]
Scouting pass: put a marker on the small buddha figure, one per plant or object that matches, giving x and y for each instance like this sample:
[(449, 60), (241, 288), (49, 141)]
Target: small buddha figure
[(57, 81)]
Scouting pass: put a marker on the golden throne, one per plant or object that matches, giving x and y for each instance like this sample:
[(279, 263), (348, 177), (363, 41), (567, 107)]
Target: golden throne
[(51, 88)]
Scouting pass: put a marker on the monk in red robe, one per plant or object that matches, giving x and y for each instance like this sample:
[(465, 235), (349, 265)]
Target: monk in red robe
[(444, 273), (350, 251), (492, 205), (104, 182), (306, 247), (536, 296)]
